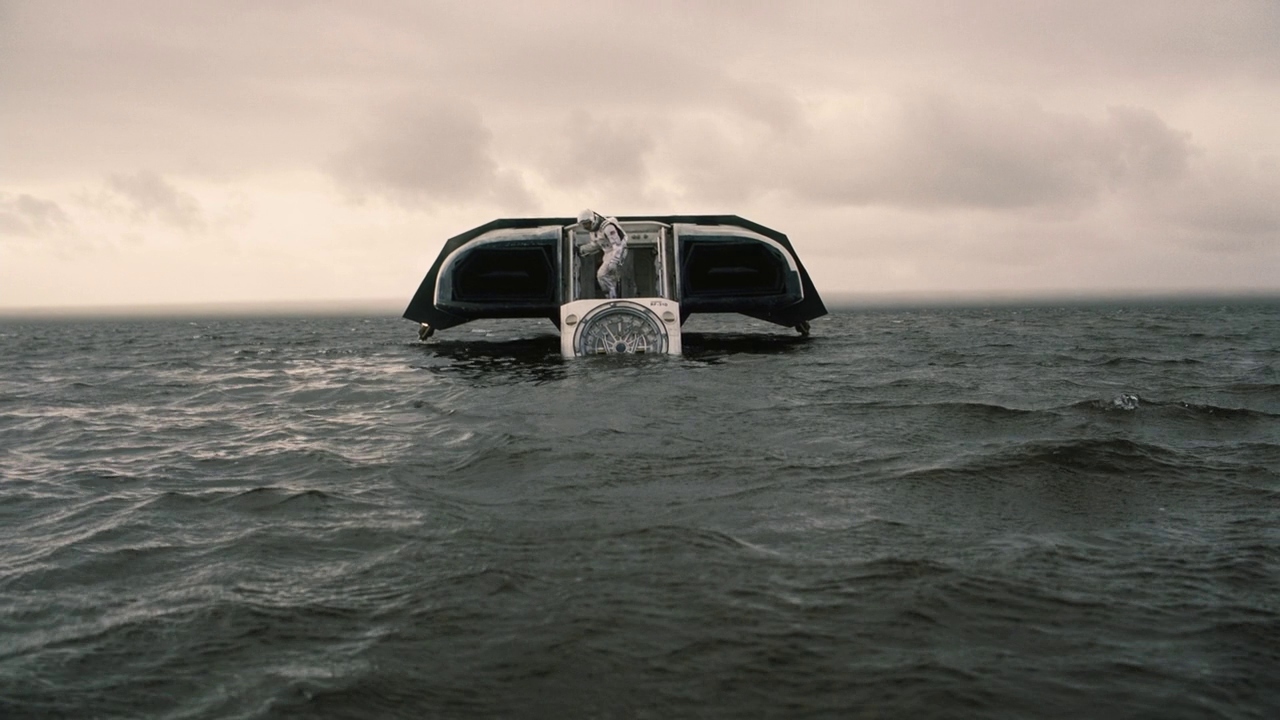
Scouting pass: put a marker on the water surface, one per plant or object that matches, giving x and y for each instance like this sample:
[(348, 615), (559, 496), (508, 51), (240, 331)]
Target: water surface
[(978, 513)]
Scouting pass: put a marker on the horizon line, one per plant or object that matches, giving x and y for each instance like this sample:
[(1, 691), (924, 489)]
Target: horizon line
[(833, 300)]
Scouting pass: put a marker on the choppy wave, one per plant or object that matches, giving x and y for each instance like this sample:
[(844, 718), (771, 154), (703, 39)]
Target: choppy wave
[(961, 513)]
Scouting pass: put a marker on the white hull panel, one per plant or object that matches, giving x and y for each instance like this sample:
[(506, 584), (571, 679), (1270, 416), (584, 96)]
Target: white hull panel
[(625, 326)]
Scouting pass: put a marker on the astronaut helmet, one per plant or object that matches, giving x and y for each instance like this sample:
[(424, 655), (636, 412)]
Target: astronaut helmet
[(587, 220)]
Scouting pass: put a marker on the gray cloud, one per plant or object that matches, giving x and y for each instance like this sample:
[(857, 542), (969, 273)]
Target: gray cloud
[(941, 151), (151, 197), (31, 217), (948, 152), (147, 82), (1143, 148), (1025, 142), (1013, 156), (429, 155), (1226, 204), (764, 103), (590, 151)]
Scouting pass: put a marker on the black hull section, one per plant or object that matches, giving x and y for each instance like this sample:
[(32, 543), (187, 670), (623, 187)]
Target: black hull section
[(512, 268), (513, 277)]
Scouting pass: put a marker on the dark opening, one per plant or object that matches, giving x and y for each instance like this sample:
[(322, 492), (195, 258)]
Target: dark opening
[(732, 268), (525, 274)]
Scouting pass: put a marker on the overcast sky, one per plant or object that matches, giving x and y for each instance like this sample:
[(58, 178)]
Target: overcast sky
[(195, 152)]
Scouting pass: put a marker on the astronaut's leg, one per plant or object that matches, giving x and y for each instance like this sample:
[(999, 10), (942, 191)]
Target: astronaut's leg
[(607, 275), (608, 282)]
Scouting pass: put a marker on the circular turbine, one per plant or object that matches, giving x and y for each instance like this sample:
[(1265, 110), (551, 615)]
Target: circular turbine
[(620, 328)]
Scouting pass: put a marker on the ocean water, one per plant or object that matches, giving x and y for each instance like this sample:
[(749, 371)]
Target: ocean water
[(1008, 512)]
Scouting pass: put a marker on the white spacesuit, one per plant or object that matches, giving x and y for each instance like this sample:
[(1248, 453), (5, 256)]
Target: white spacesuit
[(609, 237)]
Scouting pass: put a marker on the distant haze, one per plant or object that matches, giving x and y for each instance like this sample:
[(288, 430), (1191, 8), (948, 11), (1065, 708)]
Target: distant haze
[(188, 153)]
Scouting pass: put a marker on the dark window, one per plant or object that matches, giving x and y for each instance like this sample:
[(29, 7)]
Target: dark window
[(732, 269), (522, 274)]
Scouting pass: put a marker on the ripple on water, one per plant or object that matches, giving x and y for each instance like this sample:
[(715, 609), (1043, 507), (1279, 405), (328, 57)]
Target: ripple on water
[(986, 512)]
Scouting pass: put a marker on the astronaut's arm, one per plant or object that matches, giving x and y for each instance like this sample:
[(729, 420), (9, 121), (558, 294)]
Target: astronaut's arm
[(588, 247)]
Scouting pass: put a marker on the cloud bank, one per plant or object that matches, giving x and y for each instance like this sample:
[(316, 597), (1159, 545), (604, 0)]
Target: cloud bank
[(897, 141)]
